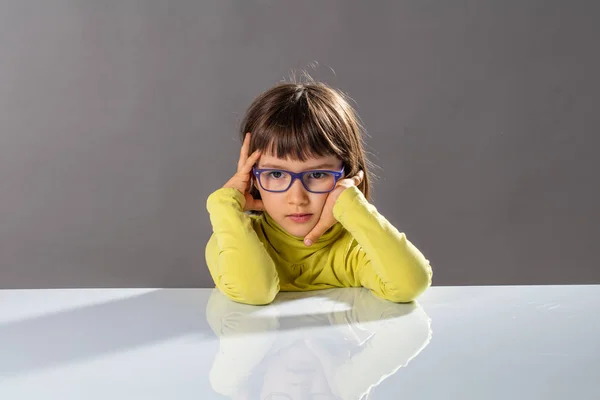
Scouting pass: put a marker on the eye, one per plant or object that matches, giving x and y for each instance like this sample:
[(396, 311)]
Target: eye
[(318, 175), (275, 174)]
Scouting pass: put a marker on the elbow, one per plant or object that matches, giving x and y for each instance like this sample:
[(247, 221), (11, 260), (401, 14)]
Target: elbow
[(257, 295), (401, 296), (410, 290)]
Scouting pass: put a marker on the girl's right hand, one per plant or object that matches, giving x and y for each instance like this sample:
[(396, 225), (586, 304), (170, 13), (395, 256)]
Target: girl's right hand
[(242, 180)]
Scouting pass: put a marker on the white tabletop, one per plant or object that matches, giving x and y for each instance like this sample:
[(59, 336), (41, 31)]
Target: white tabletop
[(511, 342)]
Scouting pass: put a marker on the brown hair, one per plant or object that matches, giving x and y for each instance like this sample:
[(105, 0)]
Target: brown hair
[(304, 120)]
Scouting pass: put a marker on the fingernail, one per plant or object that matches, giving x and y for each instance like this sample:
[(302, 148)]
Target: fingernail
[(307, 242)]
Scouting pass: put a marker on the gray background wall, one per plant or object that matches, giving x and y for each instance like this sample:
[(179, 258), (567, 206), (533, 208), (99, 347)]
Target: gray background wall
[(118, 118)]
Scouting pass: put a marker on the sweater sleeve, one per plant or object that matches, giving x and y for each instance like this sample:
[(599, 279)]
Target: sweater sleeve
[(237, 260), (398, 337), (381, 258), (244, 340)]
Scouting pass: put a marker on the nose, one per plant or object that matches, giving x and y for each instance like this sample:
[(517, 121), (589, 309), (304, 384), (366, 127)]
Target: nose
[(297, 194)]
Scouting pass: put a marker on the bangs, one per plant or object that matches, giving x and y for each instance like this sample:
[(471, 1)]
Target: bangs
[(298, 132), (295, 144)]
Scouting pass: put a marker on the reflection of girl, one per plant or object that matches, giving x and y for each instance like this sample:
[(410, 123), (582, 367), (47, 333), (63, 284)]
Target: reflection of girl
[(346, 342)]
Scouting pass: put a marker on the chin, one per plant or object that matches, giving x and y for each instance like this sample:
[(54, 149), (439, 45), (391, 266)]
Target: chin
[(298, 230)]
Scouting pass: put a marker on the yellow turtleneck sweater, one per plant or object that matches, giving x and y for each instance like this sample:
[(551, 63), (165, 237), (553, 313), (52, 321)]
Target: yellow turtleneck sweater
[(251, 257)]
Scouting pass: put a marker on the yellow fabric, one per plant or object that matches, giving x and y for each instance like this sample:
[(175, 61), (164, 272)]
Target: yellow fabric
[(251, 257)]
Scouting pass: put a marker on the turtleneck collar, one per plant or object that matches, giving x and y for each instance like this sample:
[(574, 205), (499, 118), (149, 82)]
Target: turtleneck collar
[(284, 242)]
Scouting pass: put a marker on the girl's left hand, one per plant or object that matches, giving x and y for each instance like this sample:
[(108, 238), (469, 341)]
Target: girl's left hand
[(327, 220)]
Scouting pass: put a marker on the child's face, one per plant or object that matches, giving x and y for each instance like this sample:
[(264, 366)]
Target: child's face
[(297, 372), (296, 199)]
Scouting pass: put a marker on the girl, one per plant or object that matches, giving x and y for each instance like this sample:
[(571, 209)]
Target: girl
[(296, 215)]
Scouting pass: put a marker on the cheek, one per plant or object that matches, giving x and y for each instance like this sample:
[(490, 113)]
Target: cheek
[(319, 200), (270, 200)]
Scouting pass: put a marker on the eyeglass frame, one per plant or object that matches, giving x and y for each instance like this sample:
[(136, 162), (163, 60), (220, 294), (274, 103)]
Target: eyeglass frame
[(297, 175)]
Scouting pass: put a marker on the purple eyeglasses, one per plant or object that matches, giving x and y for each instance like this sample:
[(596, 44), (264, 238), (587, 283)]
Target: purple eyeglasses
[(325, 184)]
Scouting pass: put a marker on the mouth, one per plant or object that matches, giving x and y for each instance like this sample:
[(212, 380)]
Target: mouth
[(299, 217)]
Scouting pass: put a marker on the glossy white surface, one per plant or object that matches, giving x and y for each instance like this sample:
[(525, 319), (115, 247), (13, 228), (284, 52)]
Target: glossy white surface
[(528, 342)]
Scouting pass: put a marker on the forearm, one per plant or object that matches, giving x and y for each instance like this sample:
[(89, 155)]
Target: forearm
[(386, 261), (395, 340), (237, 259), (236, 359)]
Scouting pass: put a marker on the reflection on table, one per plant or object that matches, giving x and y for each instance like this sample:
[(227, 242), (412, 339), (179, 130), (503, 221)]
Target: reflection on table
[(338, 346)]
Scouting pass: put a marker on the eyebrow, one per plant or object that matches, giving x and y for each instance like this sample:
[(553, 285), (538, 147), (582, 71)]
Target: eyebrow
[(319, 166)]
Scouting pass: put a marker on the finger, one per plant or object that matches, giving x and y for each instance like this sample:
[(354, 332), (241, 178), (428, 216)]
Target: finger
[(253, 204), (244, 151), (315, 234), (358, 178), (247, 167), (256, 205)]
